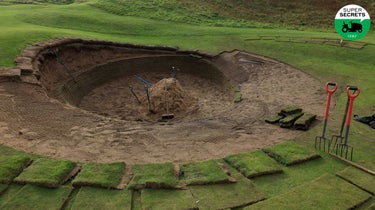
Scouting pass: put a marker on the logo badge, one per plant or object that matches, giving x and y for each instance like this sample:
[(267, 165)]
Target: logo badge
[(352, 22)]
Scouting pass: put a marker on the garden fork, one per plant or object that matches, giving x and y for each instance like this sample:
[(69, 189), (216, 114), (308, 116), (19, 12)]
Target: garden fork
[(322, 138), (344, 148)]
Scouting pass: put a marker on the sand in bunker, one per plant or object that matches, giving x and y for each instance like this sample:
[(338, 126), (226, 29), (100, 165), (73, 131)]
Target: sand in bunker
[(166, 98), (110, 125)]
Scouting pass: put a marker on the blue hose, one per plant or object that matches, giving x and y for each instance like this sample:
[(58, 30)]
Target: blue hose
[(143, 80)]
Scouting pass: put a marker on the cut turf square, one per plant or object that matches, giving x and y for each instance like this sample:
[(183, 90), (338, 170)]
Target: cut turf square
[(46, 172), (289, 153), (227, 196), (203, 172), (326, 192), (107, 175), (100, 198), (253, 164), (167, 199), (35, 197), (273, 119), (359, 178), (11, 166), (155, 175)]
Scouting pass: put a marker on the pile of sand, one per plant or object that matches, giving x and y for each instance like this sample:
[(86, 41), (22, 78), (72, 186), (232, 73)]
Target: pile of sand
[(167, 96)]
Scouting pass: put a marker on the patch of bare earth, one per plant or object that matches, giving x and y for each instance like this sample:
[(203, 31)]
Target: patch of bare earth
[(111, 125)]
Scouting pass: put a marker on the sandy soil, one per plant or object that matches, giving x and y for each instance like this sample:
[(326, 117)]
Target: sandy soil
[(110, 125)]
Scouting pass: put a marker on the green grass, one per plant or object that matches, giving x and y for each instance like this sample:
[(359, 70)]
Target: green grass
[(167, 199), (287, 14), (108, 175), (203, 172), (290, 14), (11, 166), (8, 151), (69, 202), (253, 164), (8, 2), (290, 153), (297, 175), (3, 187), (153, 175), (225, 196), (169, 10), (326, 192), (46, 172), (82, 20), (136, 200), (359, 178), (99, 198), (9, 192), (372, 206), (34, 197)]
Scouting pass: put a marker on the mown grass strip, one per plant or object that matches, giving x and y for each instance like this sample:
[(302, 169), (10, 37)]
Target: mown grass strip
[(359, 178), (11, 166), (107, 175), (289, 153), (100, 198), (167, 199), (46, 172), (35, 197), (326, 192), (202, 172), (226, 196), (155, 175), (253, 164)]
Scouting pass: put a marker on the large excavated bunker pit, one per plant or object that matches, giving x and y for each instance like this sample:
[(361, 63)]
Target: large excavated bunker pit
[(91, 100), (184, 84)]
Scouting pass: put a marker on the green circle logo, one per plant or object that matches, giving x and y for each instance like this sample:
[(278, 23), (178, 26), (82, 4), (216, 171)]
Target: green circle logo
[(352, 22)]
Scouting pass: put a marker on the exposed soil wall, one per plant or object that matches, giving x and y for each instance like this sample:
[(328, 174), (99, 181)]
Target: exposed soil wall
[(80, 83)]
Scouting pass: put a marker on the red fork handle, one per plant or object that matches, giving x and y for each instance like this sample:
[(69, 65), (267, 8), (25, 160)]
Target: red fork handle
[(351, 96), (330, 91)]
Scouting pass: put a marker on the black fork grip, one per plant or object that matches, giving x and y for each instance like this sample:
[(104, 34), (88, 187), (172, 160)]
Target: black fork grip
[(332, 83), (352, 87)]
